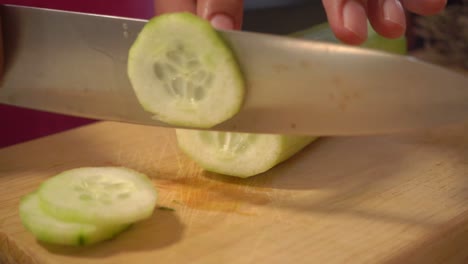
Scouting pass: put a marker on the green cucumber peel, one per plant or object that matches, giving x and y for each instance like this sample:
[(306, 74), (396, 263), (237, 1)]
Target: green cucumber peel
[(49, 229)]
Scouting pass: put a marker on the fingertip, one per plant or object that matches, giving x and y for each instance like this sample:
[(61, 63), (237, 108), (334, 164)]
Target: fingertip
[(387, 17), (222, 21), (347, 19), (391, 31), (349, 37), (354, 29), (227, 14), (394, 18), (426, 8)]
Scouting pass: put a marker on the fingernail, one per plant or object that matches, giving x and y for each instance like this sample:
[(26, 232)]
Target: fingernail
[(222, 21), (393, 12), (355, 19)]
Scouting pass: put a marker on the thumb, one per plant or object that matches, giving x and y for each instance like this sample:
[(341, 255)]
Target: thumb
[(227, 14)]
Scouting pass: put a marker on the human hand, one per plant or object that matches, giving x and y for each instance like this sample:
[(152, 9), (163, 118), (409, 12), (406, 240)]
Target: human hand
[(223, 14), (348, 18)]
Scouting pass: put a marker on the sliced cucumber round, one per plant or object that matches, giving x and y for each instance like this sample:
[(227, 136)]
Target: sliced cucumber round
[(49, 229), (99, 196), (184, 73), (238, 154)]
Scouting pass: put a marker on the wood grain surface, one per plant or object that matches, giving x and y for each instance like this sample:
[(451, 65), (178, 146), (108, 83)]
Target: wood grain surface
[(387, 199)]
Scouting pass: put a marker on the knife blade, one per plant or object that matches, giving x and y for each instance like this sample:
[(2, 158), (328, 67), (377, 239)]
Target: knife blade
[(75, 63)]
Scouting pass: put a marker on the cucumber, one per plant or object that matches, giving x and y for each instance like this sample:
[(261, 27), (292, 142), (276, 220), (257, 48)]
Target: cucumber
[(184, 73), (245, 155), (52, 230), (238, 154), (323, 32), (99, 196)]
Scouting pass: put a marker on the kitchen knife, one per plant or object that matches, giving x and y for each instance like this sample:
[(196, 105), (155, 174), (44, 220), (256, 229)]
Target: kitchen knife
[(75, 64)]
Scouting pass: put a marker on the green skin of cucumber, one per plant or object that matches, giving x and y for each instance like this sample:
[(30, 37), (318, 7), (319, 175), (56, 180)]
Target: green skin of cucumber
[(289, 145), (48, 229)]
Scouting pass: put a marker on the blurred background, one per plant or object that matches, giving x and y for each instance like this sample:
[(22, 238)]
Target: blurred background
[(434, 35)]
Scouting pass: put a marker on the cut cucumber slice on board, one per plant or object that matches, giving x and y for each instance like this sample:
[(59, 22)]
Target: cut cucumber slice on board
[(238, 154), (49, 229), (99, 196), (184, 73), (246, 155)]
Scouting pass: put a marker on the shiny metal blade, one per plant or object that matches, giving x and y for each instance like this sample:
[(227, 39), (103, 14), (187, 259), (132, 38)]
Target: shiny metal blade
[(75, 64)]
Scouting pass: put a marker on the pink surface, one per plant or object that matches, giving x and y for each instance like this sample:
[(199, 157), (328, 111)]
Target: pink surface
[(128, 8), (18, 125)]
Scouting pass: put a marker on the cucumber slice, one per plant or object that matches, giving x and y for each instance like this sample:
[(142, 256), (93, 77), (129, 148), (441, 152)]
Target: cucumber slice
[(238, 154), (183, 72), (52, 230), (246, 155), (99, 196)]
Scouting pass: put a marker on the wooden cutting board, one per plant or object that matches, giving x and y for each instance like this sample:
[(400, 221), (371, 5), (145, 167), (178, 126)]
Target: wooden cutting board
[(400, 199)]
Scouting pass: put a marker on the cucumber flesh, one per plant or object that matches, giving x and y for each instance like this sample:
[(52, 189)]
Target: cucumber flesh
[(49, 229), (99, 196), (183, 72), (238, 154)]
